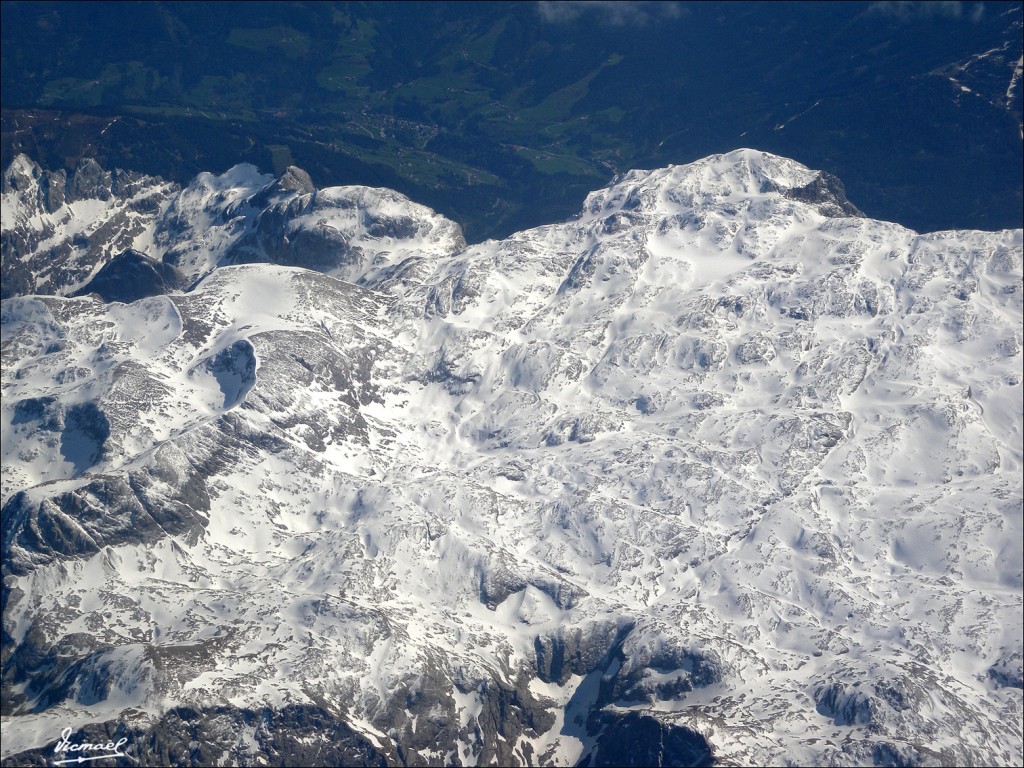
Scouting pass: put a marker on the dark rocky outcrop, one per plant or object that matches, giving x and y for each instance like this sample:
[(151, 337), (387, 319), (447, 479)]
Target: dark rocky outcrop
[(576, 651), (131, 276), (827, 193), (90, 181)]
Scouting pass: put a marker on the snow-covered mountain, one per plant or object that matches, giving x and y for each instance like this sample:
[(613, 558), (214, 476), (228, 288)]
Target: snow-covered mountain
[(719, 471), (57, 230)]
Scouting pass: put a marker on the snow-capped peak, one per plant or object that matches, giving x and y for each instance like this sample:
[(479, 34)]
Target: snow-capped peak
[(728, 180)]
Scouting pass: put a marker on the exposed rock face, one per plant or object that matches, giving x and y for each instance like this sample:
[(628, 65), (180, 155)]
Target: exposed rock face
[(638, 740), (709, 474), (131, 276), (90, 182), (827, 194), (298, 180)]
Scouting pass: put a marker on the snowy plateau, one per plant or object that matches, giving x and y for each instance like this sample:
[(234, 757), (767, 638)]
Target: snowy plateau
[(720, 471)]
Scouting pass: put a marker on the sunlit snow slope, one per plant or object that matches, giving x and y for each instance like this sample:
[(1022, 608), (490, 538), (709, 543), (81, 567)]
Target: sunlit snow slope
[(718, 471)]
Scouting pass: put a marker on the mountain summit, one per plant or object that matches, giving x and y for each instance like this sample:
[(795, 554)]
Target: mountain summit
[(718, 471)]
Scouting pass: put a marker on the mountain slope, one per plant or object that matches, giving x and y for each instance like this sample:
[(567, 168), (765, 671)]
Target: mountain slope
[(58, 230), (718, 470)]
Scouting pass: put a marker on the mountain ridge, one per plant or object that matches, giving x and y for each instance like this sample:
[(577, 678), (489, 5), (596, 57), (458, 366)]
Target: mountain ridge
[(697, 468)]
